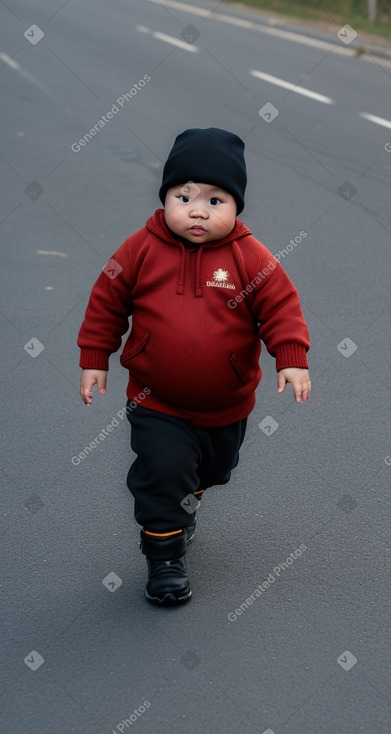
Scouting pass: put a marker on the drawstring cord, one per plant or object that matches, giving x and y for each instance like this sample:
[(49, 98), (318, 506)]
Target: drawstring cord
[(199, 291), (181, 283)]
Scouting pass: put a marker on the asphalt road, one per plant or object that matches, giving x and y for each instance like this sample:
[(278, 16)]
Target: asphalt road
[(82, 649)]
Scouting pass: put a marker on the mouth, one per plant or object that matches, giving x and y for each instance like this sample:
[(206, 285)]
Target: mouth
[(196, 229)]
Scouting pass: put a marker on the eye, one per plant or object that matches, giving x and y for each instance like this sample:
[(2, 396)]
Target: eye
[(214, 201), (185, 199)]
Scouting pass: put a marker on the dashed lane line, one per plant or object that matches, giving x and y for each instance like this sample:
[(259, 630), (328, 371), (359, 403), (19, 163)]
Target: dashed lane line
[(292, 87), (12, 64), (269, 30), (377, 120), (168, 39), (251, 25), (296, 88)]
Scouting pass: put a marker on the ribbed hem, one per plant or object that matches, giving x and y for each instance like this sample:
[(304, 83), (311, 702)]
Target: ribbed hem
[(202, 419), (291, 355), (94, 359)]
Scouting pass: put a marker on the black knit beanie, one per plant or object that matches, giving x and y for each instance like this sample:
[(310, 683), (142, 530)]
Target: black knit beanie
[(211, 156)]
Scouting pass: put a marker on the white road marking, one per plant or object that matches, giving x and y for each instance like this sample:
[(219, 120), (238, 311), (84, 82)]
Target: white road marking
[(10, 62), (292, 87), (25, 74), (251, 25), (271, 31), (168, 39), (51, 252), (182, 6), (377, 120)]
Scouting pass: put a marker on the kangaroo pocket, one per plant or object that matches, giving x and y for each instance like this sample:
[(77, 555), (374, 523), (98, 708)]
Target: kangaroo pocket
[(240, 370), (192, 377), (133, 347)]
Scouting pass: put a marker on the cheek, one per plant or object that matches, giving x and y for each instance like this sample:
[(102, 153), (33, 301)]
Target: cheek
[(225, 223), (173, 207), (170, 210), (173, 215)]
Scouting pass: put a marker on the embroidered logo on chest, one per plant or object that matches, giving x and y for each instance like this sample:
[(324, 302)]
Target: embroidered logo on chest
[(220, 277)]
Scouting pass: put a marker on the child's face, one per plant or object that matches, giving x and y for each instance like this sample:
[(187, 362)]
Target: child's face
[(199, 212)]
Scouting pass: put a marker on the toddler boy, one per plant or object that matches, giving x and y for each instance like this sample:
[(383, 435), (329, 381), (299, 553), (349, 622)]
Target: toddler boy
[(203, 293)]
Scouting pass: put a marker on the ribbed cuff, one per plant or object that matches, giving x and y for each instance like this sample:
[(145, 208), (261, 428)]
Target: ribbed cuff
[(94, 359), (291, 355)]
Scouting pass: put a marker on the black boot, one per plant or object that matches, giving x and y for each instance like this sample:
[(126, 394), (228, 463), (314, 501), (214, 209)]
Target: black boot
[(168, 582)]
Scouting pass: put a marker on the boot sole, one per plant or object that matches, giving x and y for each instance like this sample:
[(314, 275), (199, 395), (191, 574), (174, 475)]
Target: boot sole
[(168, 599)]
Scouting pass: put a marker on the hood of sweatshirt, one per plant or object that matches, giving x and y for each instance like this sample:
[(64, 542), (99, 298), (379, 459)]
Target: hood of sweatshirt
[(157, 225)]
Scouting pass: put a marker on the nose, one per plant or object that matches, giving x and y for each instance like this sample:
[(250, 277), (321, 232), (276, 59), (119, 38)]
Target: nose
[(198, 210)]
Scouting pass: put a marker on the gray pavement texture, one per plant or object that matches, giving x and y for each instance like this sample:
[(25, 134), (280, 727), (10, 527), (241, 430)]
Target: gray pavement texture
[(308, 508)]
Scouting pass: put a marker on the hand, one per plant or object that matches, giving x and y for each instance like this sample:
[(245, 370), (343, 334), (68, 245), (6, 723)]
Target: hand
[(88, 379), (299, 379)]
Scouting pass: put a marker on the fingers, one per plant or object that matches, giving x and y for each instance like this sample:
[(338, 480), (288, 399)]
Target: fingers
[(299, 379), (101, 383), (88, 379), (281, 382), (306, 390), (302, 391), (86, 385)]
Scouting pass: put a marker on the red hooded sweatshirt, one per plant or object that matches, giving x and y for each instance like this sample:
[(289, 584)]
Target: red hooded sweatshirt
[(198, 315)]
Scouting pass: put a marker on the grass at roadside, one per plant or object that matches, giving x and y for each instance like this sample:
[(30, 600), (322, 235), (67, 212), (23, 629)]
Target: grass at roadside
[(382, 27)]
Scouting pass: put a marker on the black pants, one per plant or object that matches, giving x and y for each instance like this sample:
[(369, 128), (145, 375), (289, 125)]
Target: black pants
[(174, 460)]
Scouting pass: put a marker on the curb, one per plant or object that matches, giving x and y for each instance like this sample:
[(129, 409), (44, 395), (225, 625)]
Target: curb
[(357, 45)]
